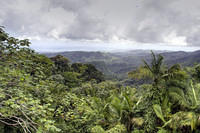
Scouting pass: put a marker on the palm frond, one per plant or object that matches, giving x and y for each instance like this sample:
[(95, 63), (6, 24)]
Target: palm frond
[(147, 66), (178, 95)]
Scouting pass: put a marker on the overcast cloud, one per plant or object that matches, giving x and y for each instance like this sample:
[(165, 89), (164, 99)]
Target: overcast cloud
[(169, 22)]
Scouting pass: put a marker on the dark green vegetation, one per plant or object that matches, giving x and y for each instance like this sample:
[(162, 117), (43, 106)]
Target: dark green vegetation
[(118, 64), (113, 65), (49, 95)]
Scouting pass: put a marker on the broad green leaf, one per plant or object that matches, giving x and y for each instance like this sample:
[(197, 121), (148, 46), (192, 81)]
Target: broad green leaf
[(158, 112)]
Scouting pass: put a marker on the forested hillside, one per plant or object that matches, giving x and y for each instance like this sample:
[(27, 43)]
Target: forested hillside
[(39, 94), (118, 64)]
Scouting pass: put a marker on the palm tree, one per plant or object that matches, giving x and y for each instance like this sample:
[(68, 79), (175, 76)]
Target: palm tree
[(187, 115), (155, 67), (121, 108)]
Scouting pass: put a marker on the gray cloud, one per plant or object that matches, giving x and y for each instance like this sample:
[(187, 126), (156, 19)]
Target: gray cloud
[(143, 21)]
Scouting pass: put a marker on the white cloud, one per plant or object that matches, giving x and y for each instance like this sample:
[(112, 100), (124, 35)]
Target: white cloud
[(168, 22), (173, 39)]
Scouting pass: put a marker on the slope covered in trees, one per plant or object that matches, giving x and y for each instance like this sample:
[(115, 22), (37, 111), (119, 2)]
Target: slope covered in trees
[(118, 64), (48, 95)]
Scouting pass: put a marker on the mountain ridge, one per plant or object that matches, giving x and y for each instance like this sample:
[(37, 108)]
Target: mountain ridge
[(120, 63)]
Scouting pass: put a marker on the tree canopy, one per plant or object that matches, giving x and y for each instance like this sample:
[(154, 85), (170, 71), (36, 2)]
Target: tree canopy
[(49, 95)]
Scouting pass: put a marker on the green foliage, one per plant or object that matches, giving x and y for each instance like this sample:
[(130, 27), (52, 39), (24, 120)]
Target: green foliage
[(138, 131), (97, 129), (140, 73), (101, 90), (43, 95), (121, 107), (32, 99), (20, 107), (71, 79), (61, 63), (75, 114), (158, 112), (88, 72), (155, 68), (162, 131), (117, 129)]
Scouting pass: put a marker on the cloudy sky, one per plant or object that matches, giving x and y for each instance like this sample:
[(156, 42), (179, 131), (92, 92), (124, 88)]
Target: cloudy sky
[(62, 25)]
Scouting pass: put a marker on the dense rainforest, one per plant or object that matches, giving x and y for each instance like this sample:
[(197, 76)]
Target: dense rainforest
[(116, 64), (49, 95)]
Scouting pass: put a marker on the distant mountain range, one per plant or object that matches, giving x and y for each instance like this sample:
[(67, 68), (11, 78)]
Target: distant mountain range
[(119, 63)]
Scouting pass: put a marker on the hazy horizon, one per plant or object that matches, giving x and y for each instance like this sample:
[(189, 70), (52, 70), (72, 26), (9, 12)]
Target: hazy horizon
[(61, 47)]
